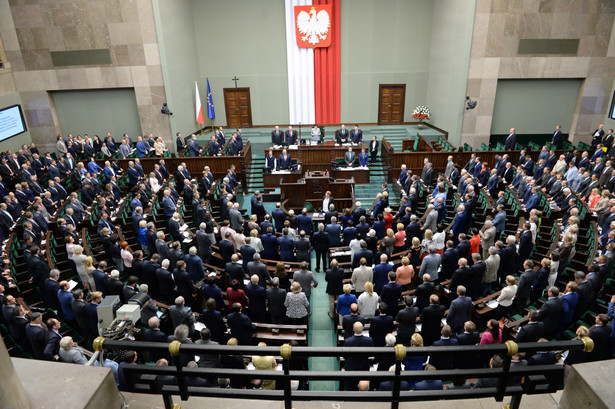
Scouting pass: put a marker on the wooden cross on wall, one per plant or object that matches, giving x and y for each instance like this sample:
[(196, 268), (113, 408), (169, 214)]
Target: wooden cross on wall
[(235, 79)]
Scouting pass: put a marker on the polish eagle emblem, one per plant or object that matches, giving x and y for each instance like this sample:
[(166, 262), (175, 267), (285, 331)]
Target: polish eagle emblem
[(313, 28)]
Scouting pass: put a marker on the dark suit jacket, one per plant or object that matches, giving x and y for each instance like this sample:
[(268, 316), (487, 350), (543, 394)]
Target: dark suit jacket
[(406, 319), (466, 361), (391, 294), (531, 332), (380, 326), (334, 278), (443, 361), (449, 263), (275, 301), (357, 363), (422, 293), (431, 318), (241, 327), (459, 312), (52, 345), (37, 338), (549, 314)]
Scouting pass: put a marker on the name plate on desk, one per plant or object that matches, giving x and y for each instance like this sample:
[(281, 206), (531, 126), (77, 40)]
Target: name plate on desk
[(293, 146)]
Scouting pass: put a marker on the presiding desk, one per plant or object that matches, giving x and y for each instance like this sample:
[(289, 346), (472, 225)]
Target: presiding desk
[(322, 154), (274, 178), (312, 187)]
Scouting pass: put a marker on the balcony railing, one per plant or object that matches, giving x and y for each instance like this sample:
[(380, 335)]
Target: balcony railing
[(538, 379)]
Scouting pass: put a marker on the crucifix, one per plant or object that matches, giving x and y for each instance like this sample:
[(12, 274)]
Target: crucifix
[(235, 79)]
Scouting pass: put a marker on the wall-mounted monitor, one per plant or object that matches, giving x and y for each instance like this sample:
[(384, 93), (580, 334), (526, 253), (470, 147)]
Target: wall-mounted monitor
[(612, 110), (12, 122)]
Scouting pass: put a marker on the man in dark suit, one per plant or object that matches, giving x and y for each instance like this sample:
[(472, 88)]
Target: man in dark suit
[(166, 284), (446, 339), (355, 362), (461, 276), (349, 320), (349, 157), (469, 336), (381, 325), (51, 288), (180, 315), (277, 136), (278, 217), (258, 300), (235, 270), (525, 285), (511, 140), (550, 312), (303, 248), (275, 302), (342, 135), (460, 311), (525, 243), (600, 334), (373, 149), (52, 340), (542, 357), (532, 331), (240, 325), (507, 255), (356, 136), (79, 309), (450, 260), (334, 277), (391, 293), (423, 292), (460, 223), (36, 335), (290, 136), (406, 320), (154, 334), (431, 318), (557, 136)]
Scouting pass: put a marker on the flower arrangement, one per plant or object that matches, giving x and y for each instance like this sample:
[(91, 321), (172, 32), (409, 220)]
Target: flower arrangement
[(421, 113)]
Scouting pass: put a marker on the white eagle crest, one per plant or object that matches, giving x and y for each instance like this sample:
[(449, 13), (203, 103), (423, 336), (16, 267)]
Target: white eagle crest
[(314, 27)]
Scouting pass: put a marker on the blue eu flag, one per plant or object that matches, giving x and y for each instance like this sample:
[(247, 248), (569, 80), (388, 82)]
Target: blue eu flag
[(211, 113)]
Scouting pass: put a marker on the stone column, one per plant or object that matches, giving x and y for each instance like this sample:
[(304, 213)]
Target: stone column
[(12, 393)]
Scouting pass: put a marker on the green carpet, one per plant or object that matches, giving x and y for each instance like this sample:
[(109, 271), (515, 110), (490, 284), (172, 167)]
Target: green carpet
[(321, 333)]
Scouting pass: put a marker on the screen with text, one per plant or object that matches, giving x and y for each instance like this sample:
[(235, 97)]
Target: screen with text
[(11, 122)]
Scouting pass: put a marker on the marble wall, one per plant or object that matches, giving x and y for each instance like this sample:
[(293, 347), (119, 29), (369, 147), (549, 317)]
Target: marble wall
[(31, 30), (498, 26)]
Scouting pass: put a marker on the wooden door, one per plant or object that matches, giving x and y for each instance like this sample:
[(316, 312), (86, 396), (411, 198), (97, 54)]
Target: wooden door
[(238, 108), (391, 102)]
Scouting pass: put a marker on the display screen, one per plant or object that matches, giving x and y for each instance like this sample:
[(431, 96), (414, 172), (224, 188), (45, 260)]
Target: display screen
[(11, 122)]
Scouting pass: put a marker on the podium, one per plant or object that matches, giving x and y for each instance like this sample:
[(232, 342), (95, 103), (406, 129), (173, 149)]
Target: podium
[(312, 187)]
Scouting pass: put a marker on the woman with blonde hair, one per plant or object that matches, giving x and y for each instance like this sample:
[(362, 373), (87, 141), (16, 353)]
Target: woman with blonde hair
[(505, 300), (415, 253), (79, 260), (413, 362), (593, 198), (344, 302), (427, 241), (368, 301), (297, 305), (404, 273), (389, 240), (400, 239), (153, 182), (255, 241), (603, 203)]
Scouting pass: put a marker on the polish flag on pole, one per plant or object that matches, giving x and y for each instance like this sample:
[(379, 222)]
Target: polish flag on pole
[(199, 109)]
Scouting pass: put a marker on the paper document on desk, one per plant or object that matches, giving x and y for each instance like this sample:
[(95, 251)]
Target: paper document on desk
[(493, 304), (183, 227), (293, 146), (72, 284)]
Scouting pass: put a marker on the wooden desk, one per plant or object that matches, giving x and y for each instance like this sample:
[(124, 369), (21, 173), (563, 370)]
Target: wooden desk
[(322, 154), (360, 175), (273, 179), (312, 189)]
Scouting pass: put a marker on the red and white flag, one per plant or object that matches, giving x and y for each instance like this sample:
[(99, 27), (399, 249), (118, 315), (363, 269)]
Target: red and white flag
[(199, 109)]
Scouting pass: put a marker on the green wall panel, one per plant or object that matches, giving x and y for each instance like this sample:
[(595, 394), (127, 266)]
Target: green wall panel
[(97, 112), (534, 106)]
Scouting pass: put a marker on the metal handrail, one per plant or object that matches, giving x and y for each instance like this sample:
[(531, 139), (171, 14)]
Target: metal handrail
[(551, 376)]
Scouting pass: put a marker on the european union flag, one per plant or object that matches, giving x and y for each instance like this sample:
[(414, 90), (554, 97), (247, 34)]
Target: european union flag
[(211, 113)]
